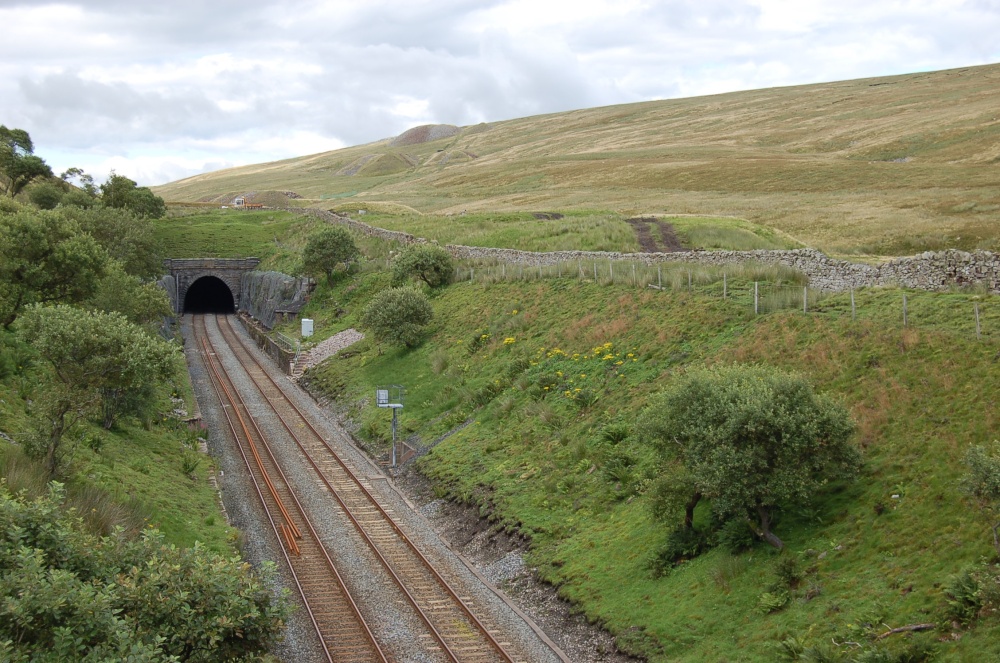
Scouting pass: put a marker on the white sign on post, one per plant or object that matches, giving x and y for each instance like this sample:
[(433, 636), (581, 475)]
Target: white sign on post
[(382, 397)]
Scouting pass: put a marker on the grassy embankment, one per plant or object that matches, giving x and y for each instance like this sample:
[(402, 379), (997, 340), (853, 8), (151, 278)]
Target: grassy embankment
[(138, 474), (530, 434), (567, 362), (277, 236), (884, 166)]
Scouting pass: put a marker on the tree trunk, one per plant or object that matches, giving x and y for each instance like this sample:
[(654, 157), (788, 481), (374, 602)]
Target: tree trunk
[(110, 404), (996, 539), (55, 436), (689, 510), (763, 528)]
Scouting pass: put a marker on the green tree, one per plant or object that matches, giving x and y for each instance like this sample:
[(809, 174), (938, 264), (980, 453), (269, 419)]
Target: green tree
[(143, 303), (127, 237), (78, 198), (45, 257), (120, 192), (70, 595), (750, 439), (96, 359), (428, 262), (397, 316), (982, 482), (327, 249), (85, 182), (45, 195), (18, 163)]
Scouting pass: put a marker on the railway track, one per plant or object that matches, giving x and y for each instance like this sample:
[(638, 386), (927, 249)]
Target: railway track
[(342, 630), (454, 631)]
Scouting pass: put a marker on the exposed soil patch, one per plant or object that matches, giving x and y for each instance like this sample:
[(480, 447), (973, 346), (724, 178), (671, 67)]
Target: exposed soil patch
[(648, 243), (499, 557), (547, 216), (424, 134)]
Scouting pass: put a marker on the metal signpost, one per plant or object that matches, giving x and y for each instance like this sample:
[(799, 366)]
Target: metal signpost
[(391, 396)]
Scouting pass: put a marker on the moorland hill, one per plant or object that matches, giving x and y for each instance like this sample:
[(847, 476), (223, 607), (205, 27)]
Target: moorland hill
[(887, 166)]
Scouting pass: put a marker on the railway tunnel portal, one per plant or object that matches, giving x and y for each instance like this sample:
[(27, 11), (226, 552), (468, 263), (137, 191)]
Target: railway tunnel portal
[(207, 285)]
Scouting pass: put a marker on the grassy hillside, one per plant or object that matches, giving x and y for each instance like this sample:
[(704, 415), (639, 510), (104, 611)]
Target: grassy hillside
[(527, 392), (876, 166), (137, 474)]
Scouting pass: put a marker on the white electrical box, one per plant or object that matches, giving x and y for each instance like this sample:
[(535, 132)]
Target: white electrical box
[(307, 327)]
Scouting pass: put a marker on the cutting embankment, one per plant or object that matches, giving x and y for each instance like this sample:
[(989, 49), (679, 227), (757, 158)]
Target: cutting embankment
[(523, 397)]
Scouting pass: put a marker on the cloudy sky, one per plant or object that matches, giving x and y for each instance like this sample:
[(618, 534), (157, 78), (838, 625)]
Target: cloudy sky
[(160, 91)]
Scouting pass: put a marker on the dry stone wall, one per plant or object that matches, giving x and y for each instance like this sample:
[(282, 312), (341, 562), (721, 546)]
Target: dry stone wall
[(935, 270)]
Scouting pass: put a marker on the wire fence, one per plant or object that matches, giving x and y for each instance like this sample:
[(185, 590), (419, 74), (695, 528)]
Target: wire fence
[(662, 276), (766, 288)]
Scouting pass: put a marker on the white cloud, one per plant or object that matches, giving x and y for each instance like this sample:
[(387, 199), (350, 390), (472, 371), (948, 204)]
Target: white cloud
[(170, 89)]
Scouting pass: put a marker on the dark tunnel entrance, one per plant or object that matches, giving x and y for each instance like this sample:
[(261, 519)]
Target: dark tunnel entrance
[(209, 294)]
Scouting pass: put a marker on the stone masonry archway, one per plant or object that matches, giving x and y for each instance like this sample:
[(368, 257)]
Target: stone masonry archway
[(187, 271)]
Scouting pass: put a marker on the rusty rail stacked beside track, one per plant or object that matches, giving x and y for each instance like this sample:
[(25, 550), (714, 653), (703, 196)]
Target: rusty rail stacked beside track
[(342, 630), (457, 631)]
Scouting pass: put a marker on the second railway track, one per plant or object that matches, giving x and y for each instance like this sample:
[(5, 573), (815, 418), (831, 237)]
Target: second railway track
[(454, 631)]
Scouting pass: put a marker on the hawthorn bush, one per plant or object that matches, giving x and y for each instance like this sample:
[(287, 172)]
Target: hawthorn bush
[(70, 595), (397, 316), (429, 263)]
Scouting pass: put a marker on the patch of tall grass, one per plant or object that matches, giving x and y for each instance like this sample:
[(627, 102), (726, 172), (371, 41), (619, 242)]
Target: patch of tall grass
[(666, 276), (101, 511), (731, 239)]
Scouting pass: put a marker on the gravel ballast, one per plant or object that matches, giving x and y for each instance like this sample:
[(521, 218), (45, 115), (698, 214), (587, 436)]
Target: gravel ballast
[(395, 627)]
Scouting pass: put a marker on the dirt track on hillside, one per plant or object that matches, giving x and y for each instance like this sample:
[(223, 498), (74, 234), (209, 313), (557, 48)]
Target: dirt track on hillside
[(643, 227)]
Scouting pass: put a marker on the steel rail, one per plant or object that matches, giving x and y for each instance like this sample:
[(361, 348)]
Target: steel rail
[(371, 500), (345, 651), (414, 602)]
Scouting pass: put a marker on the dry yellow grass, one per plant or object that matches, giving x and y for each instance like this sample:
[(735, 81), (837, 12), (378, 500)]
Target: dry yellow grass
[(875, 166)]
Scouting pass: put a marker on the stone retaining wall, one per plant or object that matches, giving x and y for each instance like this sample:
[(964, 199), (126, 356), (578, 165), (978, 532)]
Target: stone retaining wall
[(937, 270), (271, 296), (282, 357)]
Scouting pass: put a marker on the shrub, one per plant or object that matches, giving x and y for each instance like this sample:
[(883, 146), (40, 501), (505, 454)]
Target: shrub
[(327, 249), (682, 544), (735, 536), (973, 592), (397, 316), (752, 439), (772, 602), (429, 263), (45, 195), (71, 595), (982, 482), (616, 432)]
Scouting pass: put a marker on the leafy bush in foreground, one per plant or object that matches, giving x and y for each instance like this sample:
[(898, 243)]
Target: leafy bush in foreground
[(73, 596)]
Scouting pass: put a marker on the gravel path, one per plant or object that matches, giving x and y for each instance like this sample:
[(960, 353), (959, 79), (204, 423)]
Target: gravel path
[(382, 602), (325, 349)]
